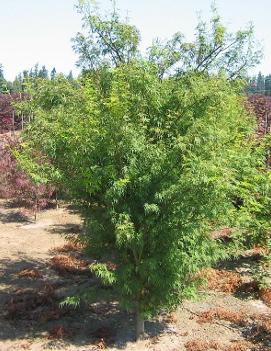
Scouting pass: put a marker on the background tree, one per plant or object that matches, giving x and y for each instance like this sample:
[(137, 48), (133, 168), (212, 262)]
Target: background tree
[(32, 192), (260, 83), (43, 73), (3, 82), (17, 84), (70, 76), (53, 74), (267, 85)]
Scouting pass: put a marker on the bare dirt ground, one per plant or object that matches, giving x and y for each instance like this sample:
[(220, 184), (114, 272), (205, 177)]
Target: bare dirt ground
[(31, 288)]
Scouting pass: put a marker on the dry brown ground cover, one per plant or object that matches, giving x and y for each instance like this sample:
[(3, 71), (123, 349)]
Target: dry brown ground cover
[(39, 267)]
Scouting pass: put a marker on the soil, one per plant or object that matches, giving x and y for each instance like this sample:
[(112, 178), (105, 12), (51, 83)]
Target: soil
[(32, 286)]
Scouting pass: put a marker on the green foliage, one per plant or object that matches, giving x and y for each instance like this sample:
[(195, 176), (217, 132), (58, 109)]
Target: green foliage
[(73, 301), (109, 41), (252, 188), (155, 164), (214, 50), (101, 271), (262, 270), (106, 41), (4, 88)]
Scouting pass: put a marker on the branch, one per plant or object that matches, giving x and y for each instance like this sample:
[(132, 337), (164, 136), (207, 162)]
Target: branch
[(223, 49), (111, 46)]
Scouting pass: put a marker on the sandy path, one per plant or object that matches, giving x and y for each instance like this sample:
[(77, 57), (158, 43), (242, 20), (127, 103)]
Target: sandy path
[(23, 241)]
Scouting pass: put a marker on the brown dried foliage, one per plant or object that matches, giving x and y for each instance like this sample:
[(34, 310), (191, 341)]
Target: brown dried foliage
[(258, 328), (224, 233), (25, 345), (260, 332), (33, 304), (256, 252), (237, 318), (265, 295), (241, 345), (31, 273), (58, 332), (68, 264), (221, 280), (171, 318), (264, 322), (70, 246), (101, 345), (202, 345), (111, 265), (205, 345)]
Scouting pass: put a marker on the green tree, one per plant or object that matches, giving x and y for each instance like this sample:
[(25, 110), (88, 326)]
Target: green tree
[(70, 76), (155, 162), (214, 50), (260, 83), (153, 165), (3, 82), (105, 40), (17, 84), (35, 71), (43, 73), (53, 74), (267, 85)]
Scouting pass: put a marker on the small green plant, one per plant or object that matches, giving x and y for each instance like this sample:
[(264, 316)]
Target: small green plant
[(262, 270)]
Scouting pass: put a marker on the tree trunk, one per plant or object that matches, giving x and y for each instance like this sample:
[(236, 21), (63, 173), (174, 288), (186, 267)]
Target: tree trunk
[(36, 208), (13, 122), (57, 204), (140, 330)]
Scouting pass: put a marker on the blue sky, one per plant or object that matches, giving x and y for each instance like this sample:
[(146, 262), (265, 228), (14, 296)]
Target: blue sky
[(39, 31)]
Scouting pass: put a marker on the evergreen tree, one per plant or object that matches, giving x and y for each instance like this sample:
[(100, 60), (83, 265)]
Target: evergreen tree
[(17, 84), (70, 76), (268, 85), (35, 71), (25, 74), (53, 74), (251, 86), (260, 83), (43, 73), (3, 82)]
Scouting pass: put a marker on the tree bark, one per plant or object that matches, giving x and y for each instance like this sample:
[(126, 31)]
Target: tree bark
[(56, 198), (36, 208), (140, 329)]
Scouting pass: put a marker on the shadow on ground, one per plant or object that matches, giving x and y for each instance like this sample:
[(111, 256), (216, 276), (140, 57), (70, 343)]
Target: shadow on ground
[(29, 309), (66, 229), (13, 217), (31, 291)]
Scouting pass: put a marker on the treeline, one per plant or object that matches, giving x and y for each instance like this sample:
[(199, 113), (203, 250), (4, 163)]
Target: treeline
[(260, 84), (18, 85)]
